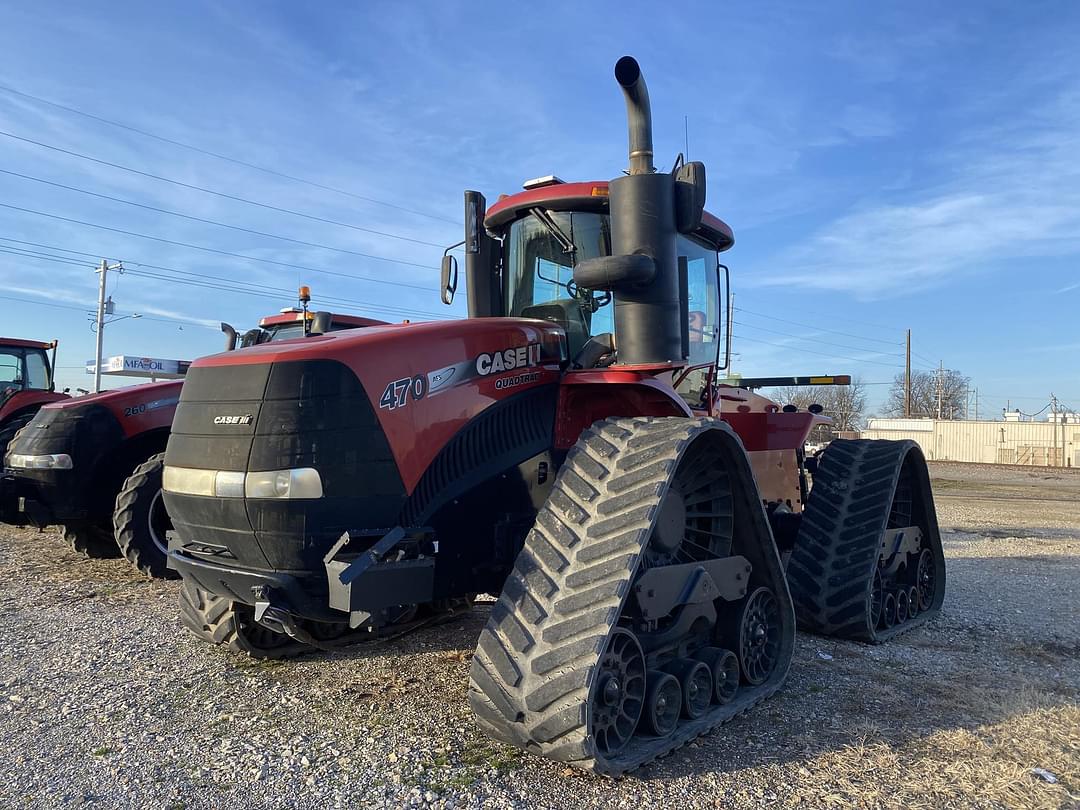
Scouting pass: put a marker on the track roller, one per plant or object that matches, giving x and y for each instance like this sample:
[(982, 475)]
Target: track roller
[(869, 531), (663, 703), (888, 611), (901, 606), (913, 602), (653, 529), (696, 680), (725, 672)]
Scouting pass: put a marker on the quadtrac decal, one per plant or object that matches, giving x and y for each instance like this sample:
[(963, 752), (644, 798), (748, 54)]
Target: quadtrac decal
[(399, 393)]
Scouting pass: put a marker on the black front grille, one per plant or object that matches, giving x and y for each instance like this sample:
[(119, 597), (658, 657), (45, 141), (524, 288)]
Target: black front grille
[(312, 413)]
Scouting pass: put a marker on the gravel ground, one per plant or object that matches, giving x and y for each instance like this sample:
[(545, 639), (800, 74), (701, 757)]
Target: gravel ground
[(106, 702)]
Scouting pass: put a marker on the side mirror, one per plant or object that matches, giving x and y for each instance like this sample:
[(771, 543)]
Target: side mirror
[(449, 278), (320, 323), (689, 196)]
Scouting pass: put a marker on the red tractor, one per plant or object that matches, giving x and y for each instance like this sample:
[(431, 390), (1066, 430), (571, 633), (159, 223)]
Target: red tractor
[(92, 465), (26, 383), (567, 448)]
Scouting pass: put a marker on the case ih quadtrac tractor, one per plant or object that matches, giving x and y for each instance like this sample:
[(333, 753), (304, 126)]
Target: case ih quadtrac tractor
[(566, 448), (92, 465), (26, 383)]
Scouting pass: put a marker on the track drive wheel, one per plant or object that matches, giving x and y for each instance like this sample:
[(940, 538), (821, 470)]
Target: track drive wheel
[(868, 523), (654, 531), (218, 620), (94, 540), (140, 520)]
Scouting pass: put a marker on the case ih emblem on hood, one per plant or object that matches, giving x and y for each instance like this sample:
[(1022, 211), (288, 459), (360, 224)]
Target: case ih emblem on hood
[(508, 359), (233, 420)]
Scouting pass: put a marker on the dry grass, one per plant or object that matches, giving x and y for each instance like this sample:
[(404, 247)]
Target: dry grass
[(985, 766)]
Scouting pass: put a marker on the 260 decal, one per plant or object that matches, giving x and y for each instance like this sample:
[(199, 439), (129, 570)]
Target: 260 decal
[(399, 393)]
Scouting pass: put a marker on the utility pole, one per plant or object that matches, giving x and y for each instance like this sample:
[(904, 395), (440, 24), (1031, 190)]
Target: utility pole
[(103, 308), (1053, 415), (940, 385), (976, 404), (907, 378), (102, 271)]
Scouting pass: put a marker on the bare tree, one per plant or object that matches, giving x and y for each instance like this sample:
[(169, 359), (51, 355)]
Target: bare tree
[(925, 387), (845, 404)]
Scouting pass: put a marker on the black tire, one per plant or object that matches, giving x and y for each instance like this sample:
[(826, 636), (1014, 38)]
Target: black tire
[(140, 520), (219, 620), (862, 488), (95, 540), (10, 429)]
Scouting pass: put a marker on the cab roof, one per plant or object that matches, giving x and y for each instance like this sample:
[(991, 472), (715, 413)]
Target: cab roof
[(24, 344), (587, 197), (298, 315)]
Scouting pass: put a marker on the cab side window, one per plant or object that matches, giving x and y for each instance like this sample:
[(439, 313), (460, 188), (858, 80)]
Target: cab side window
[(37, 371)]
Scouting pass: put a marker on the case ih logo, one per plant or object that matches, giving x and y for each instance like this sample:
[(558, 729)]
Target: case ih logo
[(233, 420), (508, 360)]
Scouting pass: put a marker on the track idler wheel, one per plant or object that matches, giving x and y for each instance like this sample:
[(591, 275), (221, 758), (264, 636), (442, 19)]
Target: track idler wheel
[(725, 672), (759, 635), (696, 680), (926, 579), (619, 694), (663, 703)]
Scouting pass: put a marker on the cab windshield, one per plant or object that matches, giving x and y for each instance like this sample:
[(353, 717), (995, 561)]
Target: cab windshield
[(538, 270)]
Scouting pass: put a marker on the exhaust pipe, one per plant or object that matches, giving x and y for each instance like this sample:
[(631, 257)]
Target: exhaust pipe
[(638, 114), (230, 336)]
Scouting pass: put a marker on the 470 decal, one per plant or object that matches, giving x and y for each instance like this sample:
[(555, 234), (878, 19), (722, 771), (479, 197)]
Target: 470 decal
[(399, 392)]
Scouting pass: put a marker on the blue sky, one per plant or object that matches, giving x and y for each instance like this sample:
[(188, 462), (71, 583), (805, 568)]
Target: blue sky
[(914, 167)]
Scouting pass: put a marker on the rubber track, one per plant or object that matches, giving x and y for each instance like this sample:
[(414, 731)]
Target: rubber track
[(536, 659), (839, 539), (140, 552), (215, 620), (91, 540)]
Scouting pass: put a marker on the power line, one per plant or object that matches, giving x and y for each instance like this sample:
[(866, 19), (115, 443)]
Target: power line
[(816, 327), (87, 310), (823, 354), (248, 288), (216, 278), (218, 252), (203, 220), (218, 156), (205, 190), (813, 339)]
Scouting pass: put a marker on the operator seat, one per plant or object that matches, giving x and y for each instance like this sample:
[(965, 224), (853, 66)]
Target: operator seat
[(566, 312)]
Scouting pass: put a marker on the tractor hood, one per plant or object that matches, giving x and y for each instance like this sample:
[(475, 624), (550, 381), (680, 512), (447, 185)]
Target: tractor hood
[(368, 410)]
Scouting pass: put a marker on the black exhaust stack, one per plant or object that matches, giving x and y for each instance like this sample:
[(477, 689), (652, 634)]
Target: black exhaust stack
[(643, 272)]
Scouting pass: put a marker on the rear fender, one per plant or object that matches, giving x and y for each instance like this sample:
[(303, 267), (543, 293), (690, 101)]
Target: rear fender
[(586, 397)]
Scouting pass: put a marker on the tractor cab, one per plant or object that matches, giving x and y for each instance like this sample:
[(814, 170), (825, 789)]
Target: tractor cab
[(523, 267), (24, 366)]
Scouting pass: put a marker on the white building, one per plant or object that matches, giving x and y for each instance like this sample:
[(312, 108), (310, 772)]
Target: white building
[(1039, 444)]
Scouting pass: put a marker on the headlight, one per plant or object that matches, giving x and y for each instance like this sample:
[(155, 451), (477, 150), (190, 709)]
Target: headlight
[(48, 461), (300, 483)]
